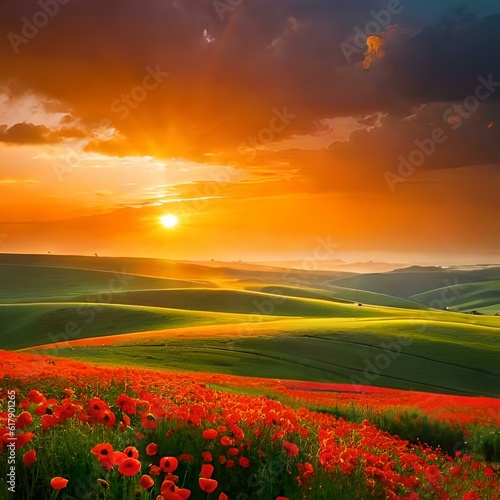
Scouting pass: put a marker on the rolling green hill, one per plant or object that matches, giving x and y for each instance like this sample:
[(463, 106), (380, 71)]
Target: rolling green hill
[(483, 297), (250, 320), (341, 294), (236, 274), (41, 323), (408, 283), (424, 355), (25, 325), (244, 302), (26, 283)]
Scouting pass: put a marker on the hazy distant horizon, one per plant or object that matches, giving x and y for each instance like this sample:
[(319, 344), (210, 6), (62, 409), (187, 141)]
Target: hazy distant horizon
[(363, 261)]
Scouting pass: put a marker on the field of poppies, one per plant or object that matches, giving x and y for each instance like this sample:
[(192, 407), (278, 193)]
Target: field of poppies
[(81, 431)]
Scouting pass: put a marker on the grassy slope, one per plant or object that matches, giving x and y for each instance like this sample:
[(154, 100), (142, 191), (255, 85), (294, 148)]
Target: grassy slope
[(146, 267), (406, 284), (412, 354), (483, 296), (24, 283), (341, 294), (31, 324), (25, 325), (237, 274), (245, 302)]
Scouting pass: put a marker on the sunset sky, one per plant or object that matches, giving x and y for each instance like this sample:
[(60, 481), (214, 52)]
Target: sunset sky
[(263, 125)]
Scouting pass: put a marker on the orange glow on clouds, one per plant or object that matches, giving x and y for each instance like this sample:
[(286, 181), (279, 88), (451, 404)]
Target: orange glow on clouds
[(260, 137)]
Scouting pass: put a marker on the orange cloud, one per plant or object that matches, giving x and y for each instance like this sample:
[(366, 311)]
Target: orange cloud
[(374, 50)]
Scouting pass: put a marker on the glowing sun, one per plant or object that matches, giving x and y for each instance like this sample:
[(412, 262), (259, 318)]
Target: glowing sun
[(169, 220)]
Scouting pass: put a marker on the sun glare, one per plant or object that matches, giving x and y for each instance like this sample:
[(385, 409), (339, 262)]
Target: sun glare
[(169, 220)]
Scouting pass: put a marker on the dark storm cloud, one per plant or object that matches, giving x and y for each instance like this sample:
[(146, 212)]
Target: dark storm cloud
[(224, 86), (443, 61), (24, 133)]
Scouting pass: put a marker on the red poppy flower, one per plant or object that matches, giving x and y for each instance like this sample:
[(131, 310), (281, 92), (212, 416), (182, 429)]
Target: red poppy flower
[(244, 462), (433, 474), (186, 457), (129, 467), (105, 454), (35, 396), (68, 409), (97, 405), (291, 449), (208, 485), (233, 451), (167, 488), (168, 464), (46, 407), (49, 421), (147, 482), (127, 404), (131, 452), (148, 421), (155, 470), (183, 493), (489, 471), (237, 433), (207, 471), (68, 393), (119, 457), (24, 404), (24, 438), (151, 449), (471, 495), (230, 464), (226, 441), (306, 469), (124, 424), (210, 434), (108, 418), (58, 483), (171, 477), (102, 450), (223, 496), (23, 420), (29, 458), (206, 456)]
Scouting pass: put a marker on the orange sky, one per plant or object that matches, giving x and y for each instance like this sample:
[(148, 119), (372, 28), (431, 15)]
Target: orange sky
[(255, 129)]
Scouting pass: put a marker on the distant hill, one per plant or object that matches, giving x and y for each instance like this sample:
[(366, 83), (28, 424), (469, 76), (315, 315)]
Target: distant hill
[(35, 283), (239, 275), (338, 265), (483, 297), (419, 269), (342, 294), (408, 282)]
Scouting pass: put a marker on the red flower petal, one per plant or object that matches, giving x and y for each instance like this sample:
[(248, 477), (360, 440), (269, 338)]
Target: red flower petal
[(58, 483)]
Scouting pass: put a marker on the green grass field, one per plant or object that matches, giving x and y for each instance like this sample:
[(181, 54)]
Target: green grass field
[(26, 325), (409, 354), (341, 294), (408, 283), (22, 283), (483, 297), (249, 320)]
